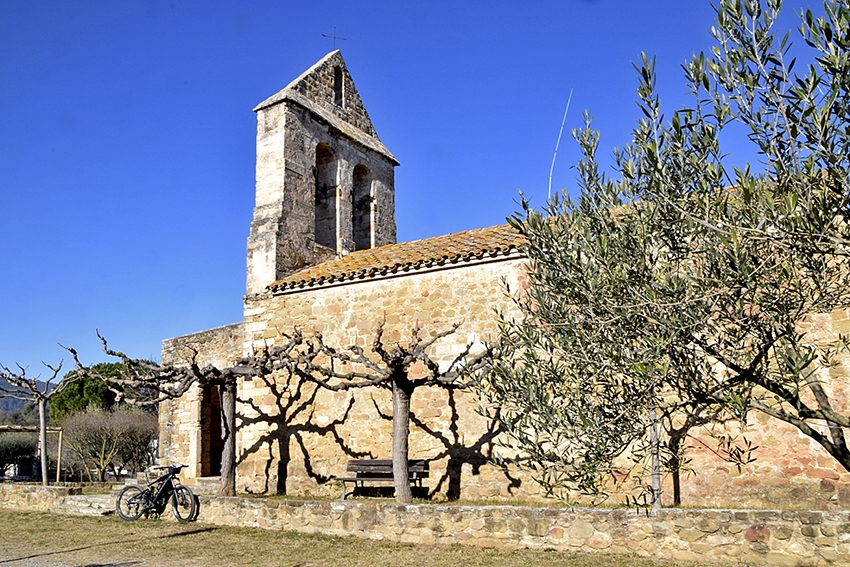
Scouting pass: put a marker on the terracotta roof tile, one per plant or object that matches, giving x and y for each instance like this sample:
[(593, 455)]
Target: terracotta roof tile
[(394, 258)]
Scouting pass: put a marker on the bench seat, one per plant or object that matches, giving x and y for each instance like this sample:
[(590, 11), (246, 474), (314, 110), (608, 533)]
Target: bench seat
[(380, 471)]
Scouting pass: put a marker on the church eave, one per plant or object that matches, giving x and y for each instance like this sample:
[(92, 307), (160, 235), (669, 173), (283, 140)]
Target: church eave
[(439, 252), (287, 288)]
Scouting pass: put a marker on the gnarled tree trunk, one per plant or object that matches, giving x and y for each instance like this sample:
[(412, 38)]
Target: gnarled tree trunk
[(402, 390), (227, 391)]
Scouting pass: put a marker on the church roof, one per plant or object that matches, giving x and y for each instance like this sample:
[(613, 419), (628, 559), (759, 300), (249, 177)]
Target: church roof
[(313, 90), (439, 251)]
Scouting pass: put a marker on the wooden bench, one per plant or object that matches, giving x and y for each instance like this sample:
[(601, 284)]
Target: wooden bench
[(380, 471)]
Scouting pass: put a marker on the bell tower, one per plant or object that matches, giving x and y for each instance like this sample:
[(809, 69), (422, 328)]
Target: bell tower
[(325, 182)]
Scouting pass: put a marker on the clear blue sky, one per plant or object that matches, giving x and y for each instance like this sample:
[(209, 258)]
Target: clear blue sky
[(127, 136)]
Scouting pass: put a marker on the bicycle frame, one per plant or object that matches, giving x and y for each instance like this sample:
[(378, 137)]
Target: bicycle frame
[(165, 486), (135, 501)]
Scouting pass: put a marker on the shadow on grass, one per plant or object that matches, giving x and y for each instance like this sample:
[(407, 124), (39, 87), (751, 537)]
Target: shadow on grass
[(105, 544), (191, 532)]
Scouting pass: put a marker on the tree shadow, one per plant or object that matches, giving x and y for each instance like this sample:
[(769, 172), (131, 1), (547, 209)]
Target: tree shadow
[(35, 556), (289, 420), (189, 532), (457, 451)]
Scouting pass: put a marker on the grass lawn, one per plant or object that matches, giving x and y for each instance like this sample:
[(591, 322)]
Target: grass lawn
[(76, 540)]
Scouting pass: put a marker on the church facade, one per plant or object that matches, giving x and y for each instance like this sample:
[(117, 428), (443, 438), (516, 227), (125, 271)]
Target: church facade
[(322, 257)]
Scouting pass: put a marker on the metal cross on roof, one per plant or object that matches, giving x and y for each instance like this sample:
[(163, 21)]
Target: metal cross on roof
[(335, 37)]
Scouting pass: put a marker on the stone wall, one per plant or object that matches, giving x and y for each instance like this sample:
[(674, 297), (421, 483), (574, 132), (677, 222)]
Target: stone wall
[(303, 133), (723, 536), (791, 470), (754, 537), (295, 438), (218, 347), (317, 86), (34, 497)]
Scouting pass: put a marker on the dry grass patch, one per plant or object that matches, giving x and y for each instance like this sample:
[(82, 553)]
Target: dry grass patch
[(77, 540)]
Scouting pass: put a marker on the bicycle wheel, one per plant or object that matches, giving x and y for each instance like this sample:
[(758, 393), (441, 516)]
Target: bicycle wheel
[(130, 504), (183, 504)]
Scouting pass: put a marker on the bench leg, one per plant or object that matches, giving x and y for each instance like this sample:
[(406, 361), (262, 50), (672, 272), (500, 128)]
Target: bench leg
[(345, 493)]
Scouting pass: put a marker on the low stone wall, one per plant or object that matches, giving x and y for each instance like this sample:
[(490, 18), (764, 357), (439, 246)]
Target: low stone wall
[(725, 536), (34, 497), (755, 537)]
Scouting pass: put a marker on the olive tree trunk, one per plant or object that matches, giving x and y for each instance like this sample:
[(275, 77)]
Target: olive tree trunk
[(656, 462)]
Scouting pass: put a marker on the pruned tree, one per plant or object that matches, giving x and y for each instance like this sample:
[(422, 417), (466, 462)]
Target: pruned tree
[(400, 368), (19, 386), (682, 286), (143, 383)]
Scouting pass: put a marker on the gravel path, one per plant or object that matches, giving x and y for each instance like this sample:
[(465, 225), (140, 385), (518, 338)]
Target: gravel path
[(43, 560), (30, 562)]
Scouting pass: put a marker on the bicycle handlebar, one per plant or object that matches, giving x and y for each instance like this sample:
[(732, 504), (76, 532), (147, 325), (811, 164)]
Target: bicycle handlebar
[(164, 467)]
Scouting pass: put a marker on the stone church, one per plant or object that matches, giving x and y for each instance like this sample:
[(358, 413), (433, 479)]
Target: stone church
[(322, 256)]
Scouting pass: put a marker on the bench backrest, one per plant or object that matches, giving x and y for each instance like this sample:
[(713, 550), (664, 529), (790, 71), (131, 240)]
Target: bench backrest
[(383, 468)]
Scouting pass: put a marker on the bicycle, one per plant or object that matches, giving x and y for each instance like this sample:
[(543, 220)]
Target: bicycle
[(133, 501)]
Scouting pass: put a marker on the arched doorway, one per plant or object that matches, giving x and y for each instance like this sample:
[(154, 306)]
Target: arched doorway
[(211, 442)]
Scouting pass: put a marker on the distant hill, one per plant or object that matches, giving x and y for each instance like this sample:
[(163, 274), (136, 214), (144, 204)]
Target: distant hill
[(12, 404)]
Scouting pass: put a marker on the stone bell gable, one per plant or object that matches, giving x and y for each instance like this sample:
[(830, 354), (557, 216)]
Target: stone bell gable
[(324, 180)]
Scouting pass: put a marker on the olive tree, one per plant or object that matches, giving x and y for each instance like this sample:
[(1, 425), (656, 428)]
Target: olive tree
[(681, 287)]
